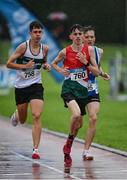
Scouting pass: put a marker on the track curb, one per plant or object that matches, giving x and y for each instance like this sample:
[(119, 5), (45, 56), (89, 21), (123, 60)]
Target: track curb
[(105, 148), (63, 136)]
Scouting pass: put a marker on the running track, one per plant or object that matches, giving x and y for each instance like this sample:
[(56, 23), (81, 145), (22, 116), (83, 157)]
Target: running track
[(16, 162)]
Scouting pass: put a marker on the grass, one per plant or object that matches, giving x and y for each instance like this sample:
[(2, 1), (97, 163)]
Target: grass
[(4, 46), (111, 124)]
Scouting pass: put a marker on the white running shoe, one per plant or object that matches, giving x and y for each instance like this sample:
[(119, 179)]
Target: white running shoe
[(87, 156), (14, 120)]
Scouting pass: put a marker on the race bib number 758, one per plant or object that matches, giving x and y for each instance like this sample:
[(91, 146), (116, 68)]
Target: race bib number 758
[(28, 74)]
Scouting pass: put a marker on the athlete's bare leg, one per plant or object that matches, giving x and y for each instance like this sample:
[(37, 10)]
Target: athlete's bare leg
[(76, 118), (22, 112), (93, 109), (75, 124), (36, 108)]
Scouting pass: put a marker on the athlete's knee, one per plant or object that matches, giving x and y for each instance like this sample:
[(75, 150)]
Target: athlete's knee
[(93, 119), (76, 115), (92, 125), (36, 115)]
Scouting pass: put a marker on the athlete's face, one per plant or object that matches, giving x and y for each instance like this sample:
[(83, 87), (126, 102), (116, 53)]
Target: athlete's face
[(76, 36), (36, 34), (89, 37)]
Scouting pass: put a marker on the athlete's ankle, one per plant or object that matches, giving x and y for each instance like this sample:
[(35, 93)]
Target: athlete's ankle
[(70, 140)]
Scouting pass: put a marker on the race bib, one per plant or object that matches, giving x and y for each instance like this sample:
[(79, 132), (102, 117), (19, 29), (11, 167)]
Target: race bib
[(27, 74), (76, 76), (91, 86)]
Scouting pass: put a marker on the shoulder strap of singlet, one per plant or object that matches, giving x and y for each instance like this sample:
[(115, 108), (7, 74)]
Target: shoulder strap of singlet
[(96, 54), (26, 43)]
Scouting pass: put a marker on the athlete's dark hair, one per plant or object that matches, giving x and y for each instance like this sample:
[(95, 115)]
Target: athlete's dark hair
[(35, 24), (76, 26), (88, 28)]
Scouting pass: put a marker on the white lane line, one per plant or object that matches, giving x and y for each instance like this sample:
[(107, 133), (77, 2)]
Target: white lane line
[(14, 174), (112, 171), (45, 165)]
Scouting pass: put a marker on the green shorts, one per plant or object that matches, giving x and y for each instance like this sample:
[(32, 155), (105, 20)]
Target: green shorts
[(73, 87), (67, 97)]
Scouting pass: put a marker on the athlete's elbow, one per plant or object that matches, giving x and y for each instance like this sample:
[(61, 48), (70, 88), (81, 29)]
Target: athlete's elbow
[(8, 65), (96, 72), (52, 63)]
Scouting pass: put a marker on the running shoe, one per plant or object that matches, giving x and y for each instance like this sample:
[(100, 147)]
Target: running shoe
[(67, 157), (67, 162), (35, 154), (14, 120), (87, 157)]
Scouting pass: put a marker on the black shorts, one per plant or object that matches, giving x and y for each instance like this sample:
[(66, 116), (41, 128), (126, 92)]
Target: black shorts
[(24, 95), (67, 97), (95, 98)]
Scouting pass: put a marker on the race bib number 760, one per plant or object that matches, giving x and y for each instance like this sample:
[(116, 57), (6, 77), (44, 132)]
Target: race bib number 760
[(78, 76)]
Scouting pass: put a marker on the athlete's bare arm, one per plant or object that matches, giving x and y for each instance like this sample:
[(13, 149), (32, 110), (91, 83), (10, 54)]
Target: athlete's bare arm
[(103, 74), (101, 52), (93, 65), (60, 56), (18, 53), (45, 64)]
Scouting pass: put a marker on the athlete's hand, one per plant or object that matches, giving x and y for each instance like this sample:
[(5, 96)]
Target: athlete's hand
[(81, 57), (106, 76), (47, 67), (30, 64), (65, 71)]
